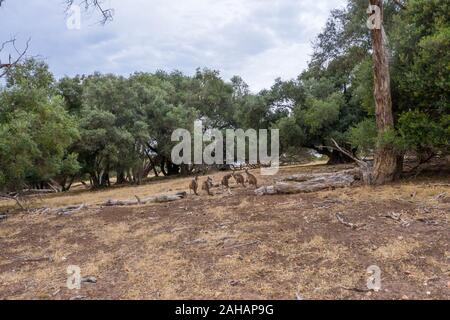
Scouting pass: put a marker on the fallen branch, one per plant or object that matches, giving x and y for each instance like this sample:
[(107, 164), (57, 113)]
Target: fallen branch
[(242, 245), (427, 221), (16, 198), (361, 290), (342, 220), (41, 210), (38, 191), (59, 211), (139, 201), (398, 218), (69, 209), (28, 259), (365, 167)]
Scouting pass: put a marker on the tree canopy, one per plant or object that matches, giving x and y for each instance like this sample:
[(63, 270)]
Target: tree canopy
[(95, 127)]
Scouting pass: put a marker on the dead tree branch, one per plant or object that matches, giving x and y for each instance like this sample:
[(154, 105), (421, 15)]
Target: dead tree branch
[(107, 14), (12, 62), (342, 220), (364, 166), (16, 198)]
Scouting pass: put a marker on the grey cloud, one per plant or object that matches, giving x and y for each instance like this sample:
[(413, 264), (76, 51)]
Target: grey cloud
[(257, 39)]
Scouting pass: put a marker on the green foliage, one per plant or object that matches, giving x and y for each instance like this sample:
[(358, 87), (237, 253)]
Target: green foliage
[(421, 70), (291, 134), (35, 129), (362, 81), (363, 136), (319, 111), (99, 125), (419, 132)]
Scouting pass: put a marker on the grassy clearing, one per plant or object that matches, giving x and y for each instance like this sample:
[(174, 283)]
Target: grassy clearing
[(234, 247)]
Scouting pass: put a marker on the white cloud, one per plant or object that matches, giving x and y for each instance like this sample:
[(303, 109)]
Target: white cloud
[(258, 39)]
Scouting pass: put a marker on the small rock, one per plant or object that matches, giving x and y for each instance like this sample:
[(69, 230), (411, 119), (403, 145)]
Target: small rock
[(405, 297), (78, 298), (428, 293)]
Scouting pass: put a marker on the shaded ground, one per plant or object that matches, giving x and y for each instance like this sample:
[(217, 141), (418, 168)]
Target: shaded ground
[(237, 247)]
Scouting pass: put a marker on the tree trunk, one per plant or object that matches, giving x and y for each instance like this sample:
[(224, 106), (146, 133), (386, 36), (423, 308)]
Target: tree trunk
[(172, 169), (185, 169), (121, 177), (386, 167)]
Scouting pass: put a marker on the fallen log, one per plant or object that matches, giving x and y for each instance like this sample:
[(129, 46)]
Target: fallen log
[(38, 191), (59, 211), (69, 209), (302, 177), (139, 201), (312, 183)]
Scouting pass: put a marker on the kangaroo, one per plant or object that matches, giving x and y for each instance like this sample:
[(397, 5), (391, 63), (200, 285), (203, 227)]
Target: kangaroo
[(251, 179), (193, 186), (207, 185), (239, 178), (226, 182)]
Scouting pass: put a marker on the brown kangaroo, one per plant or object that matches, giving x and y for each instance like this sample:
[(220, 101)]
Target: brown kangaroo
[(193, 186), (251, 179), (207, 185), (239, 178), (226, 182)]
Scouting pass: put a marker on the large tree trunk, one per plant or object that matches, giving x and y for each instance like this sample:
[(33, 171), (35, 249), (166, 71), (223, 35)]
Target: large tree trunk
[(121, 177), (386, 167)]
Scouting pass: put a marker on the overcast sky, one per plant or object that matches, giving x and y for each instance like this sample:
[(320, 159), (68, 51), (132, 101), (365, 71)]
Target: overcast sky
[(259, 40)]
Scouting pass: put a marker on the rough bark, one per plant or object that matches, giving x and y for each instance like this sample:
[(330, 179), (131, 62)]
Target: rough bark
[(312, 182), (386, 167)]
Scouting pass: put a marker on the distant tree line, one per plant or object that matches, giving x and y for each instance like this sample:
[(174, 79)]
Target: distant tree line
[(96, 127)]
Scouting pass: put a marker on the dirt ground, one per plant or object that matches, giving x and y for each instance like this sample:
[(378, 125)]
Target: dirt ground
[(235, 246)]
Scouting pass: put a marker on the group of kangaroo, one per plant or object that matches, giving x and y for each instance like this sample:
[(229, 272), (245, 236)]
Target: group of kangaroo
[(207, 185)]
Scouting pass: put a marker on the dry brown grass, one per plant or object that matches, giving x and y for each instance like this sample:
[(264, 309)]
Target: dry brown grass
[(233, 247), (128, 192)]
